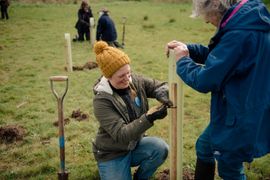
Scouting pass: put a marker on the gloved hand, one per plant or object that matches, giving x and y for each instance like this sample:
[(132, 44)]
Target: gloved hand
[(156, 112), (164, 100), (163, 97)]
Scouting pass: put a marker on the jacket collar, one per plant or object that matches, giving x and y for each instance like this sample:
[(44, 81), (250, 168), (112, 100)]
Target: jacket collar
[(104, 86)]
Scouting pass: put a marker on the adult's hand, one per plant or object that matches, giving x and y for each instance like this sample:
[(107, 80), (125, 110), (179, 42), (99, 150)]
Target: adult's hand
[(156, 112), (180, 49)]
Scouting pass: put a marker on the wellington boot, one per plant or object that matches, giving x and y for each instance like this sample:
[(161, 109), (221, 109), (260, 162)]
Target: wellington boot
[(204, 171)]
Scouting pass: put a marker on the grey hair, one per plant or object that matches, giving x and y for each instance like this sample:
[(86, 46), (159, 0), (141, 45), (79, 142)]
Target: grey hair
[(206, 7)]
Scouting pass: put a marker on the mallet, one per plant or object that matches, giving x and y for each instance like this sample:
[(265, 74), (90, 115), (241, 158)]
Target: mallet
[(62, 174)]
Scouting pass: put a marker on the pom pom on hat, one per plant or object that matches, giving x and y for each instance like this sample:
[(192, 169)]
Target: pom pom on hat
[(109, 59), (99, 47)]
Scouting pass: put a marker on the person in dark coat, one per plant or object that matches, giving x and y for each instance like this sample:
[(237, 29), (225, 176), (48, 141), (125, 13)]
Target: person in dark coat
[(235, 69), (4, 8), (83, 23), (106, 30)]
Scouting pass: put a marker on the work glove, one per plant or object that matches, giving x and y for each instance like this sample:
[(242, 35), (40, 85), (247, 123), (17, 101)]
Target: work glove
[(163, 97), (156, 112), (166, 101)]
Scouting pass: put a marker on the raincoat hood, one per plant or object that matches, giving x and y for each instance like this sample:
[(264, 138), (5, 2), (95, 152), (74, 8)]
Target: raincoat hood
[(253, 15)]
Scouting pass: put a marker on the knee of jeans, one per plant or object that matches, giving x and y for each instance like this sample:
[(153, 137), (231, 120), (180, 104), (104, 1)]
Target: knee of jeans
[(165, 152), (201, 148), (162, 149), (204, 151)]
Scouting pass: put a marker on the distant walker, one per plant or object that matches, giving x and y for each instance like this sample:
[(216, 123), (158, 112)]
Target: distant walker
[(106, 30), (4, 8)]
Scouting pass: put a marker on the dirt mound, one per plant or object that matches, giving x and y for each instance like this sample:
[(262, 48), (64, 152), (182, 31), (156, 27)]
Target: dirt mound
[(66, 121), (88, 66), (79, 115), (11, 133), (164, 175), (188, 174)]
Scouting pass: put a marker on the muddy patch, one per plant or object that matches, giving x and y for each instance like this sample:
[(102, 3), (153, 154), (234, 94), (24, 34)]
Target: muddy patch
[(79, 115), (11, 133), (188, 174), (87, 66), (66, 121)]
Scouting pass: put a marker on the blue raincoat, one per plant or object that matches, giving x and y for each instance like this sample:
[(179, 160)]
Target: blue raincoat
[(235, 68)]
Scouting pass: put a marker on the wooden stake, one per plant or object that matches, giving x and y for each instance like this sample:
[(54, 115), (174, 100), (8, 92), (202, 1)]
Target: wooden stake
[(176, 121), (68, 52), (92, 34)]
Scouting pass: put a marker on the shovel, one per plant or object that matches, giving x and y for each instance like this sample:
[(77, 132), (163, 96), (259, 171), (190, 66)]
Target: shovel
[(62, 174), (124, 31)]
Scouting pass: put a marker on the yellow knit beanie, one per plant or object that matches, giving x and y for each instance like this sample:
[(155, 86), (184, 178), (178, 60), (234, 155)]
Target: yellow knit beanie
[(109, 59)]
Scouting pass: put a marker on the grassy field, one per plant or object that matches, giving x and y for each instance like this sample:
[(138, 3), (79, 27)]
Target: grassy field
[(32, 50)]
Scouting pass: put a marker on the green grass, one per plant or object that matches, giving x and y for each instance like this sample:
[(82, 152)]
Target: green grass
[(32, 50)]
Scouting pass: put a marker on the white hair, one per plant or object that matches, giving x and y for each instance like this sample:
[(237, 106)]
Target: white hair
[(208, 7)]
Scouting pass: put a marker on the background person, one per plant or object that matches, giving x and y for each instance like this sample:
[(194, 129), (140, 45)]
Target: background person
[(235, 69), (121, 108), (4, 9), (106, 30), (83, 23)]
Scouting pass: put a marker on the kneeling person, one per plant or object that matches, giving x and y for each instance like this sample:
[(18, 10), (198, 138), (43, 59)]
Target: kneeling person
[(121, 107)]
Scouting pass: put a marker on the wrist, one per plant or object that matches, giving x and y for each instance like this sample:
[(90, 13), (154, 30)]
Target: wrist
[(150, 118)]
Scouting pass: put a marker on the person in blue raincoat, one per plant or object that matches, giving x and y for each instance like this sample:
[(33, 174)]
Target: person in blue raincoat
[(235, 69)]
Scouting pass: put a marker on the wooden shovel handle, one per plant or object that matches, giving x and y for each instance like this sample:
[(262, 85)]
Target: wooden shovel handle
[(58, 78)]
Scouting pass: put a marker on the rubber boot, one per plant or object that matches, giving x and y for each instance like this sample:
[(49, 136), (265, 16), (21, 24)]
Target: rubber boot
[(135, 177), (204, 171)]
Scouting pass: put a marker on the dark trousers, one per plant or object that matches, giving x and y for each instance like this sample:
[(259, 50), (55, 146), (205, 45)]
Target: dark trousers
[(115, 44), (85, 33), (4, 13)]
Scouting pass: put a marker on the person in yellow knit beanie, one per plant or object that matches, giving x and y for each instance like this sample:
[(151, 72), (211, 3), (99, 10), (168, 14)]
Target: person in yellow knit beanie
[(121, 108), (109, 59)]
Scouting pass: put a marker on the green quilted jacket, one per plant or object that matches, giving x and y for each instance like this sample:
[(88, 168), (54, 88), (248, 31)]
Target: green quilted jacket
[(117, 135)]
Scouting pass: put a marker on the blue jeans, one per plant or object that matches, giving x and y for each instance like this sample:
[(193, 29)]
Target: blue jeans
[(205, 153), (149, 154)]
